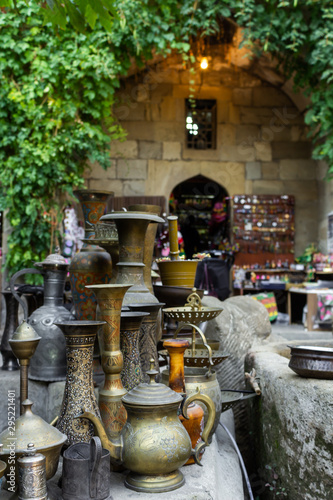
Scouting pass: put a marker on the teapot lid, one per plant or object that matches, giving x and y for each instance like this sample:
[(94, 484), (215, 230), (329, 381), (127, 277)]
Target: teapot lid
[(30, 427), (151, 394), (54, 259)]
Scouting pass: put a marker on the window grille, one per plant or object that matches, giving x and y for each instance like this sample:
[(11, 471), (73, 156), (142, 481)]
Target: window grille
[(201, 124)]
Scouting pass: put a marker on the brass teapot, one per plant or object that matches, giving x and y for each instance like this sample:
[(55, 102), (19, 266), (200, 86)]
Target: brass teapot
[(153, 443)]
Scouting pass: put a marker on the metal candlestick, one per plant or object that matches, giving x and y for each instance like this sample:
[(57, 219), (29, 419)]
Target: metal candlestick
[(24, 344)]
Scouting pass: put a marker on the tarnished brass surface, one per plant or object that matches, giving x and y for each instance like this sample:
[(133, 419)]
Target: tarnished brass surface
[(110, 300), (153, 443), (132, 227), (148, 248), (79, 389), (30, 428), (200, 378), (178, 272)]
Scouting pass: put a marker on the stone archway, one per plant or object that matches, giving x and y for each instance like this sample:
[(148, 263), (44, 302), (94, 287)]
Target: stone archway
[(164, 175)]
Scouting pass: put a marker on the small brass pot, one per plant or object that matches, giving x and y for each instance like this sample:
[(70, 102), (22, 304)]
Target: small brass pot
[(178, 272)]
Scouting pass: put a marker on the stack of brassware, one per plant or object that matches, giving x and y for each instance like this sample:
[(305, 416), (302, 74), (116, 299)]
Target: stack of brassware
[(137, 421)]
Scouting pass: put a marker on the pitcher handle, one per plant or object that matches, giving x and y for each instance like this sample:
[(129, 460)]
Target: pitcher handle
[(210, 422), (95, 460), (12, 281)]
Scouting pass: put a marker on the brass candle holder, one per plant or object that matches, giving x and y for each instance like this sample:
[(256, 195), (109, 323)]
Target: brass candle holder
[(24, 344)]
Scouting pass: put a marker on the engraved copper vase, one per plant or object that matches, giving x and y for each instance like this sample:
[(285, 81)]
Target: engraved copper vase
[(79, 389), (130, 325), (110, 300), (92, 264)]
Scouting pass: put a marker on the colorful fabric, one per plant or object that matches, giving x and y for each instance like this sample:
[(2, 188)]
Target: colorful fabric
[(268, 300)]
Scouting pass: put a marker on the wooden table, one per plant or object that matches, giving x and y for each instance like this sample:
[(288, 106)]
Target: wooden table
[(311, 301)]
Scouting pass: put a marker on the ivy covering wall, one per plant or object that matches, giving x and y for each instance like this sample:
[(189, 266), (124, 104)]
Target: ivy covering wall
[(58, 83)]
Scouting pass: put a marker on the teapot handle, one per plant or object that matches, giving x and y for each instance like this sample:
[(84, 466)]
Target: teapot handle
[(12, 281), (209, 425)]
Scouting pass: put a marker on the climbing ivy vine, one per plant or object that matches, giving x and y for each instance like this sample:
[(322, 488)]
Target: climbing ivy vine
[(58, 83)]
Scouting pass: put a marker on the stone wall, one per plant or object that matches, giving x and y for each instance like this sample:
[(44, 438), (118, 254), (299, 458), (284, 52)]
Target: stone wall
[(262, 146), (325, 205)]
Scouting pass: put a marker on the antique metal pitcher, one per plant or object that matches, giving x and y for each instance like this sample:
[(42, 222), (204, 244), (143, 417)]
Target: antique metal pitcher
[(86, 471), (49, 361), (153, 443)]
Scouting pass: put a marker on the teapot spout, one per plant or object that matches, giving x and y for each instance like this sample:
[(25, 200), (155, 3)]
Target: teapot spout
[(114, 446)]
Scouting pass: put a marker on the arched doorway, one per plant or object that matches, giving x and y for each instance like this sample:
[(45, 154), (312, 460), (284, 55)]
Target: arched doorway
[(201, 205)]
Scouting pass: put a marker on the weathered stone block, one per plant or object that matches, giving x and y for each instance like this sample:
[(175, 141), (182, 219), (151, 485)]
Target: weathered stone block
[(222, 115), (234, 114), (255, 116), (270, 96), (131, 169), (253, 170), (134, 188), (247, 79), (303, 190), (200, 154), (242, 97), (126, 149), (263, 151), (247, 134), (168, 131), (171, 150), (226, 134), (131, 110), (269, 187), (291, 150), (158, 90), (150, 149), (270, 170), (111, 185), (270, 133), (141, 132), (98, 172), (242, 153), (299, 133), (298, 169)]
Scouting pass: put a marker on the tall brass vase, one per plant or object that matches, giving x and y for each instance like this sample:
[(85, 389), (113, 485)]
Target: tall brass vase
[(79, 389), (110, 299), (148, 336), (148, 248), (132, 227), (131, 374)]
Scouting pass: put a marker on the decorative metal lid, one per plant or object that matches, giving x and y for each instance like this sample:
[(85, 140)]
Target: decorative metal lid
[(132, 215), (54, 259), (24, 332), (151, 394), (27, 427)]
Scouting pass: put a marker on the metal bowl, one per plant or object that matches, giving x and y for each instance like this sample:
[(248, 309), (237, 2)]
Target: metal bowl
[(174, 296), (312, 361)]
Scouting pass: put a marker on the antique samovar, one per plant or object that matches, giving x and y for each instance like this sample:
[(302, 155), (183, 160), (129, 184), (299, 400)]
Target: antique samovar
[(49, 361), (153, 443)]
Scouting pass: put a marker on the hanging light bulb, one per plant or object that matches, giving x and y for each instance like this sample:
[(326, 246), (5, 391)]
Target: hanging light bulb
[(204, 63)]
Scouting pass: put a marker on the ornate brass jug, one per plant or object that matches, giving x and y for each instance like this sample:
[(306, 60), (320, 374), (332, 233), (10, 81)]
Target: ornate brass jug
[(49, 361), (153, 443)]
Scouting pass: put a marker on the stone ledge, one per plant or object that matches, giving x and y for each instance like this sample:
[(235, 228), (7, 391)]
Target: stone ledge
[(292, 426)]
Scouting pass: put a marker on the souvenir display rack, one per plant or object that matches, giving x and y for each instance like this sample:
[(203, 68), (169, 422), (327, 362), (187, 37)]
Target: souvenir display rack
[(263, 227)]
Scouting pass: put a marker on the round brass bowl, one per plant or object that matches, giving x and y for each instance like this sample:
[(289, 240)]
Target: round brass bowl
[(178, 272), (189, 315), (312, 361), (229, 398)]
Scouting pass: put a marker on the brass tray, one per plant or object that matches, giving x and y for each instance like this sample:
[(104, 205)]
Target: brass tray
[(201, 357), (229, 398), (190, 315)]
